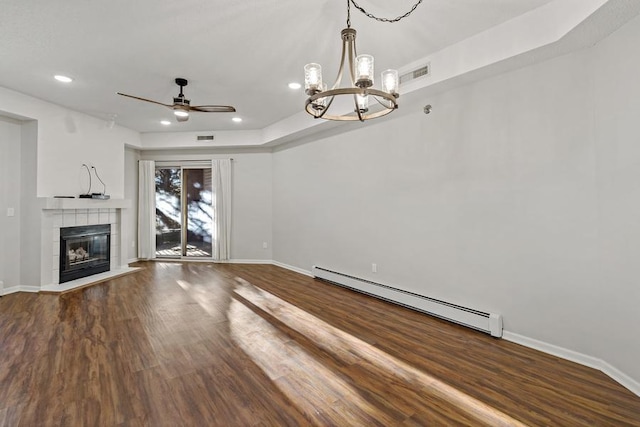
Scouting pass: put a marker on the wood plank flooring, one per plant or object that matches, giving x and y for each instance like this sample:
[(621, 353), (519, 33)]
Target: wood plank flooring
[(256, 345)]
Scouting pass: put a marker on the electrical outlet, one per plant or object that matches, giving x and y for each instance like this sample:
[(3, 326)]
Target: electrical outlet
[(11, 211), (264, 245), (374, 268)]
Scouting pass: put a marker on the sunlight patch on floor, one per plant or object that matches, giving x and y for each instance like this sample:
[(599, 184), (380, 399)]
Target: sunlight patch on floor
[(201, 294), (268, 347), (290, 367)]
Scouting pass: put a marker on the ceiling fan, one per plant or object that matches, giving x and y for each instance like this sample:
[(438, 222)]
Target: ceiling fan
[(182, 106)]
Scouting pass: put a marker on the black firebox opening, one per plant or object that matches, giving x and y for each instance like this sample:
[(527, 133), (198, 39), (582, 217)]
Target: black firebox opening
[(84, 251)]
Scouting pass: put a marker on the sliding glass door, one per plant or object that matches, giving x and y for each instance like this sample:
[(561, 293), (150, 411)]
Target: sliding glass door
[(184, 211), (198, 231)]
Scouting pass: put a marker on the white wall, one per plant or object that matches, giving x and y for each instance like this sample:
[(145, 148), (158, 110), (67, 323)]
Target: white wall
[(517, 195), (251, 199), (31, 243), (66, 140), (251, 208), (10, 134), (616, 112)]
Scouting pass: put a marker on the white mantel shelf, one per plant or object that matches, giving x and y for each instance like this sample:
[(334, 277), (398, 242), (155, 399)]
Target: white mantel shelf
[(53, 203)]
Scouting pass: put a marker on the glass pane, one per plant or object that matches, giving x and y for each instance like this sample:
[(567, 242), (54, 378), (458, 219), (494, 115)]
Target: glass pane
[(168, 212), (199, 212)]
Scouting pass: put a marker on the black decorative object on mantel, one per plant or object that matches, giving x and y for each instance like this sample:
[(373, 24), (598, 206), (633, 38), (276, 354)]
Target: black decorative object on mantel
[(89, 194), (103, 195)]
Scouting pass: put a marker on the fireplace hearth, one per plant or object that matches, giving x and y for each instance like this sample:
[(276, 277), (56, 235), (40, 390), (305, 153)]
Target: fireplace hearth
[(84, 251)]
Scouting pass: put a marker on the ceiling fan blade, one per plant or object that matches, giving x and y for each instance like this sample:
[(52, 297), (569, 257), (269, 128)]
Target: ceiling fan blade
[(144, 99), (213, 108)]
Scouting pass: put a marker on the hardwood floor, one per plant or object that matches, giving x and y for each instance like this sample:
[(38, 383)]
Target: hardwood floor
[(256, 345)]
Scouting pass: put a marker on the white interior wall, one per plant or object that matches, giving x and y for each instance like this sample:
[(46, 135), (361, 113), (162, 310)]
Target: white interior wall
[(516, 195), (251, 183), (32, 270), (616, 112), (10, 134), (66, 140), (251, 226)]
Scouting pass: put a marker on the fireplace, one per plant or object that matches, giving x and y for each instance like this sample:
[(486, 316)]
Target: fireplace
[(84, 251)]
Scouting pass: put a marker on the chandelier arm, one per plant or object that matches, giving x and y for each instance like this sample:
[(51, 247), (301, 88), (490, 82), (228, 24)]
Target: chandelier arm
[(326, 108), (341, 68), (392, 106), (352, 55), (354, 117), (357, 109), (309, 106), (370, 15), (328, 105)]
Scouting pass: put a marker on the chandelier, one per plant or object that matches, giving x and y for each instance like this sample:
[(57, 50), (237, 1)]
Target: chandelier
[(360, 71)]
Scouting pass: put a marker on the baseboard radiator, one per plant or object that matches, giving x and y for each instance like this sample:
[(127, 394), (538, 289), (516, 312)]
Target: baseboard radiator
[(489, 323)]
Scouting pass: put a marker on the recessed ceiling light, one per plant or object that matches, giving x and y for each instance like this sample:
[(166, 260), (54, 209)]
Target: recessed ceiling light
[(294, 85), (63, 79), (165, 122), (237, 119)]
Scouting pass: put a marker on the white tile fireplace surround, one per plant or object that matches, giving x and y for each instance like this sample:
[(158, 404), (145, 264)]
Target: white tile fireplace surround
[(58, 213)]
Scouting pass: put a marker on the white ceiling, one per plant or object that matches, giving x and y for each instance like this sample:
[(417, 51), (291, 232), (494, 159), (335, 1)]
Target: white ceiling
[(241, 53)]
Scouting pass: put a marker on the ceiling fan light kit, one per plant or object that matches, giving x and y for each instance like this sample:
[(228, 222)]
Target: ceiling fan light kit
[(182, 106), (180, 103), (360, 69)]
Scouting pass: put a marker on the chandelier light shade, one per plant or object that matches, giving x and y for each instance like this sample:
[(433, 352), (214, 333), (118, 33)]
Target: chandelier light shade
[(390, 81), (360, 72), (364, 66), (312, 77)]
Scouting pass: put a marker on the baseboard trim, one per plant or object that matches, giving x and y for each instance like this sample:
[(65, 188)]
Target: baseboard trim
[(621, 377), (249, 261), (209, 260), (573, 356), (14, 289), (292, 268)]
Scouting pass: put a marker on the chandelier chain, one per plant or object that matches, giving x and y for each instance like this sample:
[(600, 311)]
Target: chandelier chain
[(370, 15)]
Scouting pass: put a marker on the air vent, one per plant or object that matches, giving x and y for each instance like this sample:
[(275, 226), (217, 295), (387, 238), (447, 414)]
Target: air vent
[(420, 72), (205, 137)]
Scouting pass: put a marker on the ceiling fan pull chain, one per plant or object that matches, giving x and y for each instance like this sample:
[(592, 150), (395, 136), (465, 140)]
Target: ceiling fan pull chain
[(370, 15)]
